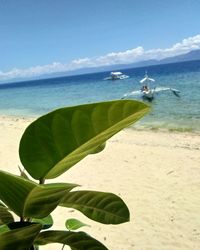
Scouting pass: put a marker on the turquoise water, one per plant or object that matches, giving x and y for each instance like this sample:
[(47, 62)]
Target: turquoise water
[(34, 98)]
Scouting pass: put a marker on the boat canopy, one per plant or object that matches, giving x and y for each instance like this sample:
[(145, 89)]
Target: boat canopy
[(116, 73), (146, 79)]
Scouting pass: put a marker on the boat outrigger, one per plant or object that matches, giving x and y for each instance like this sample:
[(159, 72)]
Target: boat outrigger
[(116, 76)]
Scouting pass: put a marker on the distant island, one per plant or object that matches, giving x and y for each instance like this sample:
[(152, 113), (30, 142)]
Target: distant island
[(193, 55)]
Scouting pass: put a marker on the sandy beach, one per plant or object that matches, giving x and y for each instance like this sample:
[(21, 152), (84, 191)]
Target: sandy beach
[(156, 173)]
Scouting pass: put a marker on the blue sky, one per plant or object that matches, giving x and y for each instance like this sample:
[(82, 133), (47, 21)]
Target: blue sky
[(44, 36)]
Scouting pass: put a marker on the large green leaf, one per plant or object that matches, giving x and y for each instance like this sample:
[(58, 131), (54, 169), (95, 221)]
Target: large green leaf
[(103, 207), (56, 141), (19, 239), (28, 199), (5, 216), (76, 240)]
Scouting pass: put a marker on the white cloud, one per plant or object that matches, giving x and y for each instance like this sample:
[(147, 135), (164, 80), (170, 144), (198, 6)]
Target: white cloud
[(128, 56), (120, 57)]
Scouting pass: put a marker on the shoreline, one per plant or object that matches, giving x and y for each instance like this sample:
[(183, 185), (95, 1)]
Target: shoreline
[(156, 173), (135, 127)]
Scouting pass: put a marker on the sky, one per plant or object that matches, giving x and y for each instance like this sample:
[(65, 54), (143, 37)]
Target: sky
[(46, 36)]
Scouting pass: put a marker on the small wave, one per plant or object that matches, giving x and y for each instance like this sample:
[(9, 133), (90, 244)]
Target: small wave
[(133, 93)]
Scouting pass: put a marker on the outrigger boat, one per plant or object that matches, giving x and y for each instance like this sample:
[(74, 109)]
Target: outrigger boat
[(116, 76), (148, 92)]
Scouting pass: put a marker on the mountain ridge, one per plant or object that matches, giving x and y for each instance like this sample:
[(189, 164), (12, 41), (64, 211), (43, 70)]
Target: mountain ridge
[(193, 55)]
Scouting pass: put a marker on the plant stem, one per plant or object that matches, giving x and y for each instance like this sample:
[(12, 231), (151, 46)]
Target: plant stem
[(42, 181), (21, 219)]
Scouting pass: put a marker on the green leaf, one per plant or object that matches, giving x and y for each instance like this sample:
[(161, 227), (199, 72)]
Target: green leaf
[(76, 240), (74, 224), (55, 142), (19, 239), (46, 222), (28, 199), (4, 228), (5, 216), (102, 207)]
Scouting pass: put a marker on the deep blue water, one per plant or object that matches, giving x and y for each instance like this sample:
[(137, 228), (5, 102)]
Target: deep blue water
[(34, 98)]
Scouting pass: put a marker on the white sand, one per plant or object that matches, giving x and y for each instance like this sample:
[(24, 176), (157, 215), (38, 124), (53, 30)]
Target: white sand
[(157, 174)]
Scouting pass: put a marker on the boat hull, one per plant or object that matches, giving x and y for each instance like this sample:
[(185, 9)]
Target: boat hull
[(116, 77), (148, 94)]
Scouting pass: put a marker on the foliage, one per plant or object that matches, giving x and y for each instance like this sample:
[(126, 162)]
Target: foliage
[(49, 147)]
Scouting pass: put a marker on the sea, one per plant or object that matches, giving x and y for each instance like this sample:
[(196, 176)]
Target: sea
[(168, 111)]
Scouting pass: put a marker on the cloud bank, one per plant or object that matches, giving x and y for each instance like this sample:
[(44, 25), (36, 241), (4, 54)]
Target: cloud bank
[(125, 57)]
